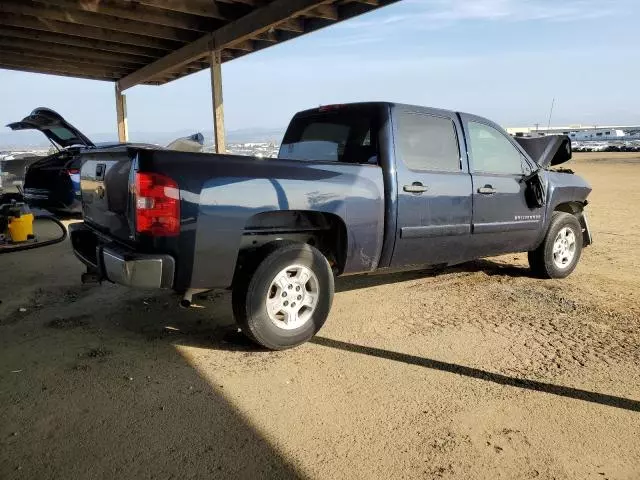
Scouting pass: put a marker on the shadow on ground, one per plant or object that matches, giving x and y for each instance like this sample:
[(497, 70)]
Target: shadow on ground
[(220, 333), (575, 393), (81, 397), (209, 322), (109, 395), (490, 267)]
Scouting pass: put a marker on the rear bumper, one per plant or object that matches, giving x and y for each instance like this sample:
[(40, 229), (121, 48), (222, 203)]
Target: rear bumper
[(118, 264)]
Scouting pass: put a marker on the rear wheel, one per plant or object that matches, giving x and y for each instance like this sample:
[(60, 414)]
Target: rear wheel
[(287, 298), (560, 251)]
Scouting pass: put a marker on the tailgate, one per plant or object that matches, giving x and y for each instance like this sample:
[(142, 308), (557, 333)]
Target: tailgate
[(106, 201)]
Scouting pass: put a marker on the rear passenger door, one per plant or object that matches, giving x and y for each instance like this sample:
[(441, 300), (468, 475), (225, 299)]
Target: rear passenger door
[(502, 219), (434, 188)]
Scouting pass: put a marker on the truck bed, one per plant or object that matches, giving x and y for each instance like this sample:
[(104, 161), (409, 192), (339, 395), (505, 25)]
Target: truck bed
[(221, 199)]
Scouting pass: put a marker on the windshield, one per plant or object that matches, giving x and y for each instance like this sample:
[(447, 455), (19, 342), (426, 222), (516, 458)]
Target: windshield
[(331, 137)]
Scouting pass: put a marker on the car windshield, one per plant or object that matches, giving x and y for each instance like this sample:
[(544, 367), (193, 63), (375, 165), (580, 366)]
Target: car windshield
[(331, 137)]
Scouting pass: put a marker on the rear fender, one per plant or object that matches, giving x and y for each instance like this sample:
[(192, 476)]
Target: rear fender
[(325, 231), (227, 204)]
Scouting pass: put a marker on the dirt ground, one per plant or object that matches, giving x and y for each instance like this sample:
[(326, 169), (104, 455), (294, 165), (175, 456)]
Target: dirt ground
[(477, 372)]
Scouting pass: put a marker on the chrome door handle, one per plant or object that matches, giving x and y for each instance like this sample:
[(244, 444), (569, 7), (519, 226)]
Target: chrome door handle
[(487, 190), (415, 187)]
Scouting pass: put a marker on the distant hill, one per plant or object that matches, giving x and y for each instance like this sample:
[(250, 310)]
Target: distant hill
[(247, 135), (32, 139)]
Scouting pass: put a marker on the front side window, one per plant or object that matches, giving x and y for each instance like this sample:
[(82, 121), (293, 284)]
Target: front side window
[(427, 142), (492, 152)]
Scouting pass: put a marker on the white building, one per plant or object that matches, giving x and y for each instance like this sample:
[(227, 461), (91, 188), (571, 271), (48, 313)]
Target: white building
[(577, 132)]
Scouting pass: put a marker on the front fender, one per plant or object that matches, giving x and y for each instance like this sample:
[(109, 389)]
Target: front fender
[(565, 188), (566, 192)]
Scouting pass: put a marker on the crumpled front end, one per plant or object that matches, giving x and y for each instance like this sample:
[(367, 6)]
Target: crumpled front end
[(547, 151), (568, 193)]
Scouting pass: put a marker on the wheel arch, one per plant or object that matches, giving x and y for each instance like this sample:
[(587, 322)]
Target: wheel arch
[(572, 207), (576, 208), (325, 231)]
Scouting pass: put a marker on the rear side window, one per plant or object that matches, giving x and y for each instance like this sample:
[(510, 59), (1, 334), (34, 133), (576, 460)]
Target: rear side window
[(492, 152), (331, 137), (427, 142)]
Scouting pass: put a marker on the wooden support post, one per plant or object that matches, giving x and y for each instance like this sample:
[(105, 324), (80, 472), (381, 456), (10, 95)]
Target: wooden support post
[(121, 114), (218, 106)]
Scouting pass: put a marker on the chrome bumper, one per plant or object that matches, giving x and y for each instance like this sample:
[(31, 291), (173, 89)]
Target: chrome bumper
[(118, 264), (135, 270)]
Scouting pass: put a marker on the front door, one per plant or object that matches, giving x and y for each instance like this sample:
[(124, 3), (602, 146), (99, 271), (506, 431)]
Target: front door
[(502, 220), (434, 188)]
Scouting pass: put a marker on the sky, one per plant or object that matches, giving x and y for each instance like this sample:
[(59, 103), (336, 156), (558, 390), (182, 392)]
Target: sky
[(503, 59)]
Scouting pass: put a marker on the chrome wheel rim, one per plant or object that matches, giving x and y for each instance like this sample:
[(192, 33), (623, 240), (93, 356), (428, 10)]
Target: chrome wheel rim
[(292, 297), (564, 248)]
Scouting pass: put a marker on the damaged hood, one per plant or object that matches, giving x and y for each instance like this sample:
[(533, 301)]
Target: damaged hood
[(547, 151), (55, 128)]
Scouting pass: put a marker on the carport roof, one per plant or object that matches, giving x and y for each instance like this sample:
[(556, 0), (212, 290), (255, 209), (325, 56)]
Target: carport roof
[(153, 41)]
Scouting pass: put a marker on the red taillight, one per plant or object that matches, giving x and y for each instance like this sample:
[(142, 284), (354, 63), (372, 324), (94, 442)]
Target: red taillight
[(157, 205), (73, 171), (330, 108)]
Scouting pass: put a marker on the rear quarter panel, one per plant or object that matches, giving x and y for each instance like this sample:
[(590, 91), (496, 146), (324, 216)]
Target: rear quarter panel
[(220, 193)]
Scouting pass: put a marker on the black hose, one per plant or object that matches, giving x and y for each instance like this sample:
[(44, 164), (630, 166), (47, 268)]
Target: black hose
[(30, 246)]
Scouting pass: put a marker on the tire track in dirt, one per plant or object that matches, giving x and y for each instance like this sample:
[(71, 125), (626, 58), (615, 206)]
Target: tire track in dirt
[(550, 330)]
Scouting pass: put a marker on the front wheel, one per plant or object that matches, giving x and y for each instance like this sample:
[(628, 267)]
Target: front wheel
[(560, 251), (287, 299)]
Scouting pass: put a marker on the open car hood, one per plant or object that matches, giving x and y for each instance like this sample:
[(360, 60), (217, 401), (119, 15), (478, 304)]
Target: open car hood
[(547, 151), (55, 128)]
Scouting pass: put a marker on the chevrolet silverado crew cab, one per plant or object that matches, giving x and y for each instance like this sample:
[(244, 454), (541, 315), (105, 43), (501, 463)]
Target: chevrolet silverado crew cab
[(356, 188)]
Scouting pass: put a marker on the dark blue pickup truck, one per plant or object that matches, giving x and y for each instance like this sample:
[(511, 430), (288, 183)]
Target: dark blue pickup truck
[(357, 188)]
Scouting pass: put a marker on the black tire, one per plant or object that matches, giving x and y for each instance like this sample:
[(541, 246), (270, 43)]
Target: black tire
[(250, 296), (541, 260)]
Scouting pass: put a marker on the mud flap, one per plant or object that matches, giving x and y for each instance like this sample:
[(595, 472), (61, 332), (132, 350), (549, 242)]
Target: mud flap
[(587, 238)]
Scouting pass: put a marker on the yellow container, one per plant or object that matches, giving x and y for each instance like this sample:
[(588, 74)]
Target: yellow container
[(21, 228)]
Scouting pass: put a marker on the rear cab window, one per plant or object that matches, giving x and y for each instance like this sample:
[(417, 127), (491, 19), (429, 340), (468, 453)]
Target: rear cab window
[(347, 135)]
